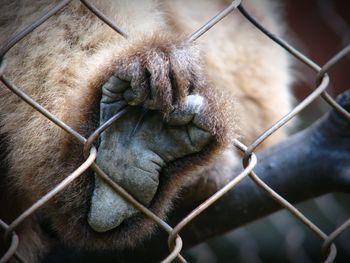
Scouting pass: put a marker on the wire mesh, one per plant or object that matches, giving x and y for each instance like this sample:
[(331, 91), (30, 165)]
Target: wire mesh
[(249, 160)]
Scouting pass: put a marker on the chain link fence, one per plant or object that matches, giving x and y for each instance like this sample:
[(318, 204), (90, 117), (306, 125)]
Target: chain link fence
[(249, 159)]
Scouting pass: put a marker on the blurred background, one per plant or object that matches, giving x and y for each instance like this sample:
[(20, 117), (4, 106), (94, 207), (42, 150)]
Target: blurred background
[(319, 29)]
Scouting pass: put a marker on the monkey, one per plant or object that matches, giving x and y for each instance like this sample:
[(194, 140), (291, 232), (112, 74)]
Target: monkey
[(187, 100)]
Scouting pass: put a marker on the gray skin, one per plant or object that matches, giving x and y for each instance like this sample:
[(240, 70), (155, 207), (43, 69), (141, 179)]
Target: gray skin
[(310, 163), (134, 149)]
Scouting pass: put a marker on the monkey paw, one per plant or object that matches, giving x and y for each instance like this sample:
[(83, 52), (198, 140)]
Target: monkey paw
[(165, 125)]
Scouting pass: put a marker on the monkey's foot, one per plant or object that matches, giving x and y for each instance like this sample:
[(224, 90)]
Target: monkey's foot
[(134, 149)]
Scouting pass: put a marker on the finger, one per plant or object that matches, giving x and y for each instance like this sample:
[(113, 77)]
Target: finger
[(181, 74), (133, 72), (161, 96), (111, 101), (201, 121), (112, 89), (198, 137), (186, 112)]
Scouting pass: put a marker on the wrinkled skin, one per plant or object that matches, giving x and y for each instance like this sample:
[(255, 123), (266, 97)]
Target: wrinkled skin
[(63, 65), (158, 130)]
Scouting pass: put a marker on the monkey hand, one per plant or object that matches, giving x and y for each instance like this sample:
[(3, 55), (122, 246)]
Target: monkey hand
[(169, 121)]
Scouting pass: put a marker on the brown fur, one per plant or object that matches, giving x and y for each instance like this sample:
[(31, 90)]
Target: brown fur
[(62, 65)]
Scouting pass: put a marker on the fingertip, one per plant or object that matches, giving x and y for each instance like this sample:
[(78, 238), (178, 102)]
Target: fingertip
[(186, 112), (132, 97), (198, 137), (115, 85)]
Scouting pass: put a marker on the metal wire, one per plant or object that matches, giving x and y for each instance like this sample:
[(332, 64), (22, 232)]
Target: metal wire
[(59, 188), (104, 18), (175, 242), (328, 241), (20, 35), (216, 19), (211, 200), (13, 244)]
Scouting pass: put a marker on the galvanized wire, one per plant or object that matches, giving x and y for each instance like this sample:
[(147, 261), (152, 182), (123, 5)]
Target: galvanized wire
[(13, 244), (211, 200), (216, 19), (249, 161), (59, 188)]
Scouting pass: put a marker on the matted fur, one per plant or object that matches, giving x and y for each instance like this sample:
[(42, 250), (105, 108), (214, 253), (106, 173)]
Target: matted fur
[(62, 65)]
